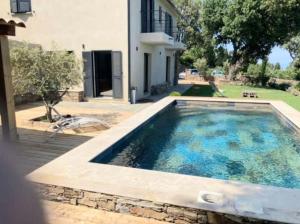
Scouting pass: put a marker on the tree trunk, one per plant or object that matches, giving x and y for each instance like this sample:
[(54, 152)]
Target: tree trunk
[(234, 69), (49, 113)]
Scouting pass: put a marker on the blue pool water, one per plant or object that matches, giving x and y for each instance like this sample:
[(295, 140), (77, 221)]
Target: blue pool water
[(248, 146)]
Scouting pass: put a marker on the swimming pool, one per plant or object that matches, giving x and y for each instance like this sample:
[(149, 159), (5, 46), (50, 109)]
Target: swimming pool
[(244, 143)]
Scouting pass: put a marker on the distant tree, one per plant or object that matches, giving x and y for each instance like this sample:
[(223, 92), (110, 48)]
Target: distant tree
[(252, 27), (188, 22), (226, 67), (48, 74), (293, 46), (201, 65), (277, 66), (200, 44), (263, 77)]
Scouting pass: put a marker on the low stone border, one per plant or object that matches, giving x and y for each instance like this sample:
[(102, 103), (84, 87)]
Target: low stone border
[(136, 207), (74, 96)]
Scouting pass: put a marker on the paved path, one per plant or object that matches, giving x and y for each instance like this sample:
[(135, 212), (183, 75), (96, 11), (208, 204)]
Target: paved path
[(58, 213)]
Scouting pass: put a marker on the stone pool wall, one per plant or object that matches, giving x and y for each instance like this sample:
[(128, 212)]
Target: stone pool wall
[(141, 208)]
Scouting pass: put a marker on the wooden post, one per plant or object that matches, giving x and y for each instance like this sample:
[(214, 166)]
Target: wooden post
[(7, 103)]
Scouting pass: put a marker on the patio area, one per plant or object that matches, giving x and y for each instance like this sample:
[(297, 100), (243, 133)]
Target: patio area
[(36, 148)]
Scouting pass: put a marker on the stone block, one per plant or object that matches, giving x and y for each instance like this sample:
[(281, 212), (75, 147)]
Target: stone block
[(73, 201), (202, 219), (57, 190), (148, 213), (214, 218), (122, 208), (190, 215), (175, 211), (87, 202), (92, 196), (106, 197), (179, 221), (107, 205)]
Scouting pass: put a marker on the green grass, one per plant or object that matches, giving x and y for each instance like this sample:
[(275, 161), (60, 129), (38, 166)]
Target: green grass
[(199, 90), (232, 91)]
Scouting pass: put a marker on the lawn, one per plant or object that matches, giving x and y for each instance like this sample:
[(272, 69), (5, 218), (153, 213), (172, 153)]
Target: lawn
[(232, 91)]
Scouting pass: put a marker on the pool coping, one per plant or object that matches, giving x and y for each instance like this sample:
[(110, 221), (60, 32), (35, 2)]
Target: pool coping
[(73, 170)]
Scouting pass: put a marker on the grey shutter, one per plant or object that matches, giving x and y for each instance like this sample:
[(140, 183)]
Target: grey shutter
[(24, 6), (13, 6), (88, 74), (144, 15), (117, 74)]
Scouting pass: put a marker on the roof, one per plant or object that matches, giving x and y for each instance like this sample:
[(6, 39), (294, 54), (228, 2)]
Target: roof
[(11, 23), (173, 5)]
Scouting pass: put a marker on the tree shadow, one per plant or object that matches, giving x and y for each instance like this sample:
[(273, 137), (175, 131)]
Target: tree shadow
[(200, 90)]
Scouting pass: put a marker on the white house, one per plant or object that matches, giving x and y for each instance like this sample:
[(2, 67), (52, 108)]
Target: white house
[(123, 43)]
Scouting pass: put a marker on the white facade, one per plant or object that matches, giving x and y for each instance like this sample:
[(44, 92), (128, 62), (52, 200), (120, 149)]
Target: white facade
[(100, 25)]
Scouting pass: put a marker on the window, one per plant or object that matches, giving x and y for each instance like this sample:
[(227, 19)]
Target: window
[(168, 24), (20, 6)]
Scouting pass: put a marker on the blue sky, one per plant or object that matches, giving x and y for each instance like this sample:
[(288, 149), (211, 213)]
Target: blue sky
[(280, 55)]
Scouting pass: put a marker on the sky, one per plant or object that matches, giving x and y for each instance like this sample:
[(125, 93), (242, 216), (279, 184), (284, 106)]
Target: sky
[(278, 54), (281, 56)]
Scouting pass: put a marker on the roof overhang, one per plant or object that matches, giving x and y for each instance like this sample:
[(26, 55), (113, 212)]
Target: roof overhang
[(173, 6), (8, 27)]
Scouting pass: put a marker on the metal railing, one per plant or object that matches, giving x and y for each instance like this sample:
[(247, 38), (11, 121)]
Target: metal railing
[(160, 21)]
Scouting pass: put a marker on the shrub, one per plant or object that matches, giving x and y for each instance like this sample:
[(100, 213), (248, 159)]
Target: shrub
[(298, 86), (201, 65), (280, 86), (175, 94)]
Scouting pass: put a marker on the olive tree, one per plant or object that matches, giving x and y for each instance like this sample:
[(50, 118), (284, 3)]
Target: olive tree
[(48, 74)]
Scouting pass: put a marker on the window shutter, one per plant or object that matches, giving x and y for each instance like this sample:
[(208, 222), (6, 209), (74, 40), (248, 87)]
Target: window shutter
[(88, 73), (24, 5), (13, 6), (171, 25), (144, 15), (117, 74)]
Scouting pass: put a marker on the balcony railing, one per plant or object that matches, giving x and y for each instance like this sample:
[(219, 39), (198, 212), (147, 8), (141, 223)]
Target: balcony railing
[(160, 21)]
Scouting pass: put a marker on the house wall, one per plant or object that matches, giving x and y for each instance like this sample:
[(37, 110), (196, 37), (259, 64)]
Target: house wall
[(158, 52), (96, 24)]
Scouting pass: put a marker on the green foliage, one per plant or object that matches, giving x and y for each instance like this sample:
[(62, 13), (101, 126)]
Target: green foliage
[(289, 73), (298, 86), (200, 44), (175, 93), (277, 66), (226, 67), (44, 73), (189, 21), (293, 46), (201, 65), (253, 27)]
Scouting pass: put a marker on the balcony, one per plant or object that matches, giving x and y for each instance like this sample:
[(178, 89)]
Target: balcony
[(158, 29)]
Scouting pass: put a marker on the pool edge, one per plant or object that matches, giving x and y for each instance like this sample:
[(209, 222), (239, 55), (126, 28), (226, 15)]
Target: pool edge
[(74, 165)]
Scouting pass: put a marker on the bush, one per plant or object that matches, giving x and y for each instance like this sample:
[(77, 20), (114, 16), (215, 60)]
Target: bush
[(201, 66), (175, 94), (297, 87), (280, 86)]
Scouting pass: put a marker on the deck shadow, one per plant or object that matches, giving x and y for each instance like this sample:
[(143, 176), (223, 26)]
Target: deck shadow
[(35, 149)]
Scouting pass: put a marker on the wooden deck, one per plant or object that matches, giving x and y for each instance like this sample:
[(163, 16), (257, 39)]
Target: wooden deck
[(35, 149)]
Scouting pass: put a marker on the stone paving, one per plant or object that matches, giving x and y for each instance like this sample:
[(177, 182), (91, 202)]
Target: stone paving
[(58, 213)]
